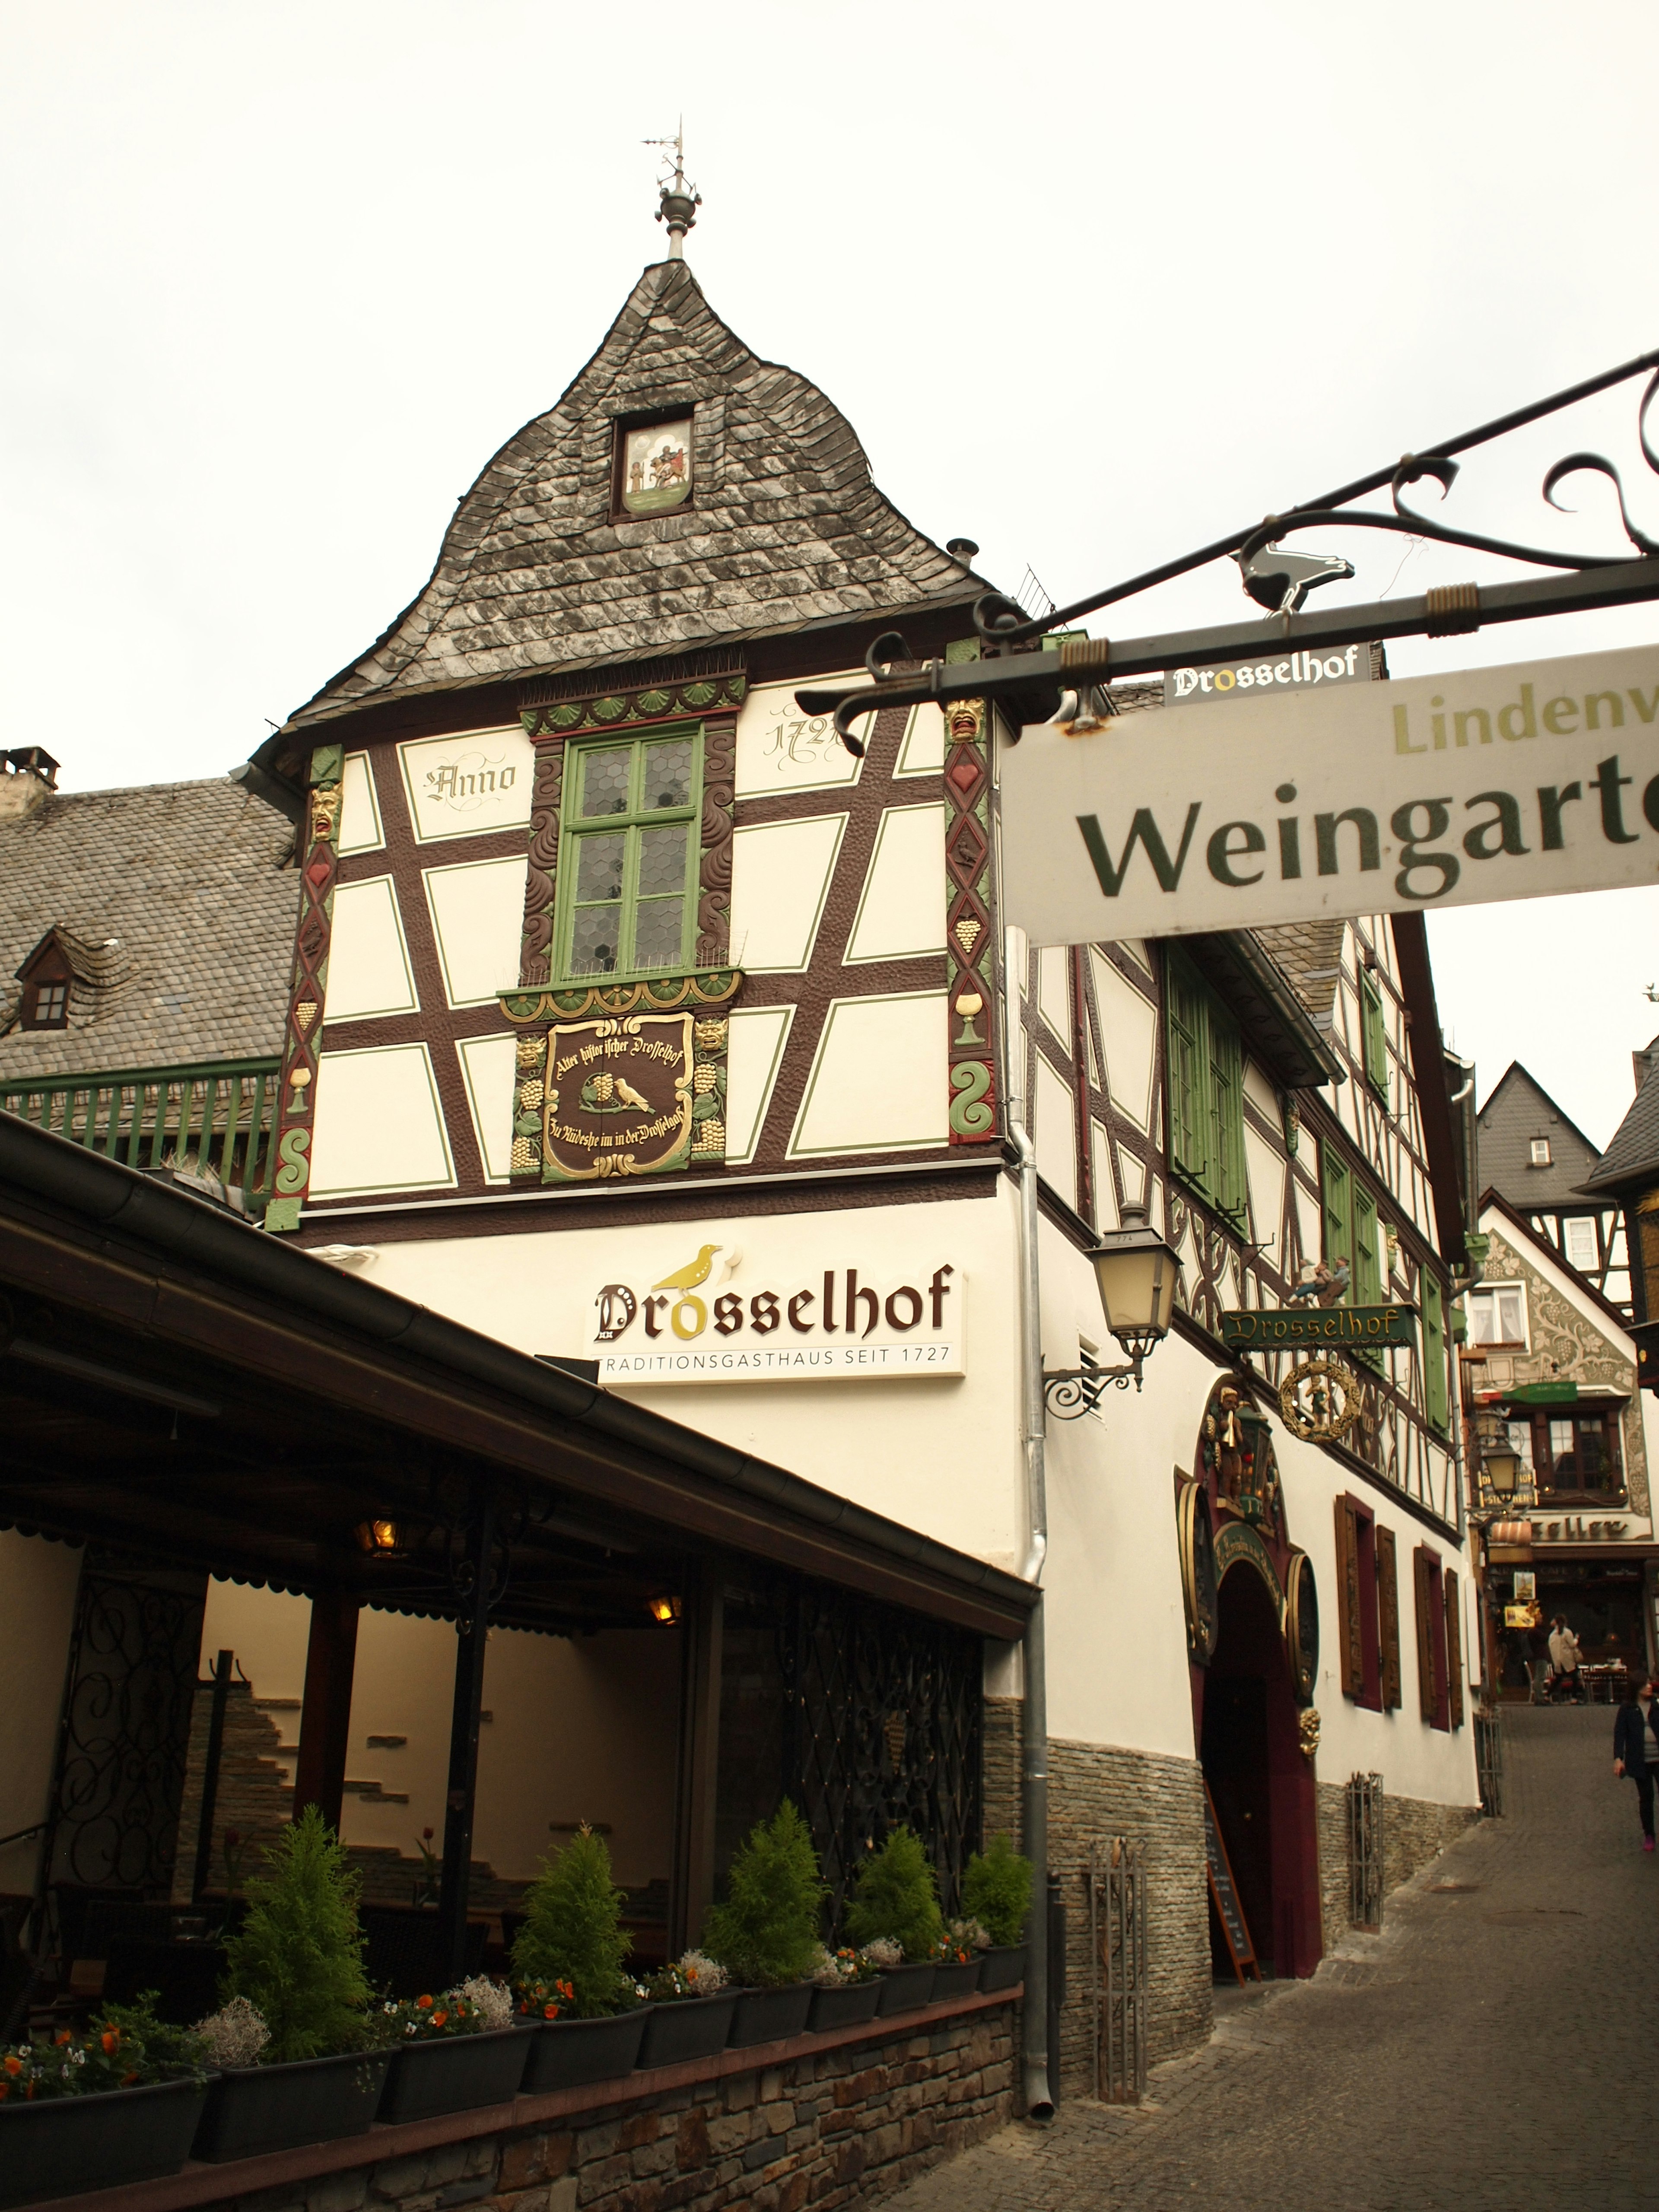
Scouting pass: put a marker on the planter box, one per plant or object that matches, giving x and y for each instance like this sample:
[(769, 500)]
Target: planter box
[(61, 2145), (451, 2072), (692, 2027), (768, 2015), (254, 2109), (849, 2005), (903, 1989), (1002, 1967), (565, 2053), (955, 1978)]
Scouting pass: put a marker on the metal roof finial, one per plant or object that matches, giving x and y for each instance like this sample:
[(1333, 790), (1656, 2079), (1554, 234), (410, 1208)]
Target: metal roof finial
[(680, 201)]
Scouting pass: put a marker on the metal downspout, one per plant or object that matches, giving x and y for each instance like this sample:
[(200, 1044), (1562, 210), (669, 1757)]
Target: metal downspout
[(1033, 1746)]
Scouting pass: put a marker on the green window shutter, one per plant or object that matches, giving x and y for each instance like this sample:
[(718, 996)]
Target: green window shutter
[(1184, 1019), (1376, 1038), (1339, 1200), (1435, 1390), (1226, 1183), (1367, 1252)]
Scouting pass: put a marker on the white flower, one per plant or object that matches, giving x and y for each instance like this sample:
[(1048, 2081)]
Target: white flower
[(884, 1951), (235, 2035), (706, 1976), (493, 2000)]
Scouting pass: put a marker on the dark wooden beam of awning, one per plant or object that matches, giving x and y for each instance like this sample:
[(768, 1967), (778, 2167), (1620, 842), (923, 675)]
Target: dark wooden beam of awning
[(302, 1360)]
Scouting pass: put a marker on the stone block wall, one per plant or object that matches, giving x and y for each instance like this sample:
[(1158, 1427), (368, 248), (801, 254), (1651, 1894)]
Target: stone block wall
[(1095, 1792), (1414, 1832), (843, 2125)]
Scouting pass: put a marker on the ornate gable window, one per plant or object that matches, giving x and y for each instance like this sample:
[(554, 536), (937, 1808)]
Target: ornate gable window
[(627, 857), (653, 471), (47, 977)]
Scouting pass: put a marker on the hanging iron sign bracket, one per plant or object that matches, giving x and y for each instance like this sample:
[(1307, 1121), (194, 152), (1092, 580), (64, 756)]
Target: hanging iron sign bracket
[(1031, 678)]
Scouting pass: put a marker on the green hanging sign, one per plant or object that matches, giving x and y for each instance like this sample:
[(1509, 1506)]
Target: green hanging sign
[(1324, 1329)]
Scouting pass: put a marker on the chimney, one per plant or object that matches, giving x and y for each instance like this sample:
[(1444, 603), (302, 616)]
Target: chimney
[(28, 774), (1642, 1063)]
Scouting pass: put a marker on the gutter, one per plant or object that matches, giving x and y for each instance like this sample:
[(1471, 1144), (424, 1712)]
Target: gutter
[(113, 1197), (1035, 2077)]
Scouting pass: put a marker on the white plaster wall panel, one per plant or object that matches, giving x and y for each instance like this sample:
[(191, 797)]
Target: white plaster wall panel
[(487, 1069), (37, 1618), (1054, 991), (478, 919), (879, 1082), (755, 1037), (268, 1630), (1129, 1025), (901, 911), (379, 1125), (1259, 1091), (780, 748), (1133, 1174), (1106, 1213), (1309, 1220), (922, 752), (1265, 1170), (1057, 1131), (1136, 949), (369, 967), (941, 1455), (469, 785), (360, 807), (780, 877)]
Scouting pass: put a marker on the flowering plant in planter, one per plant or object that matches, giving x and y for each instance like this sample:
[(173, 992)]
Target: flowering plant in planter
[(298, 1957), (546, 2000), (842, 1969), (125, 2047), (478, 2007), (234, 2036), (766, 1933), (572, 1933), (897, 1897), (961, 1942), (693, 1974), (996, 1892)]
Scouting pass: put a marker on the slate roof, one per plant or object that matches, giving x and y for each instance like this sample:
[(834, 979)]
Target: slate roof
[(1633, 1155), (1310, 954), (1517, 1110), (184, 908), (786, 527)]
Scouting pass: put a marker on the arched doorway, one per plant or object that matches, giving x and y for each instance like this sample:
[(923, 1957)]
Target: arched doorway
[(1253, 1632)]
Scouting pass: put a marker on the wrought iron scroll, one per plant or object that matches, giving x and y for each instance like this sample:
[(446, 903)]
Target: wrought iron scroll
[(125, 1729), (998, 617), (884, 1709)]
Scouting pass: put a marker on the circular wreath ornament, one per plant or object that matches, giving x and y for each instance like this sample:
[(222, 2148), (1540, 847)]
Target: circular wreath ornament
[(1320, 1400)]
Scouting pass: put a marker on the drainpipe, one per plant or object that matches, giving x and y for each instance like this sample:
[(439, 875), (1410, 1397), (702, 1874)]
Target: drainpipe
[(1034, 1764)]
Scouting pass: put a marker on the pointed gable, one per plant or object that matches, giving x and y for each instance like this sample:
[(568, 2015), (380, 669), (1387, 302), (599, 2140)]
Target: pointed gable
[(537, 574), (1519, 1111)]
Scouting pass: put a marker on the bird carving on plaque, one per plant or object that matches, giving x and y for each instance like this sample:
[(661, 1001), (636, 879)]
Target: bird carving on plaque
[(688, 1277)]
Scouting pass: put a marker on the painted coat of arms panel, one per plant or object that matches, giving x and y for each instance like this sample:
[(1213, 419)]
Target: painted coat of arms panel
[(656, 468), (618, 1097)]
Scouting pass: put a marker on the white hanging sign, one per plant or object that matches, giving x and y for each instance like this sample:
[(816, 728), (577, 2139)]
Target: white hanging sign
[(1450, 790)]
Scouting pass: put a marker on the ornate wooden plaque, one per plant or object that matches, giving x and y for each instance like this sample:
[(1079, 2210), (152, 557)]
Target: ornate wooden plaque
[(618, 1097)]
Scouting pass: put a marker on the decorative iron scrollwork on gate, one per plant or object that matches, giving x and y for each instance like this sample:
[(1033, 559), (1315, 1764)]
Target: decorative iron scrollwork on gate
[(884, 1709), (125, 1728)]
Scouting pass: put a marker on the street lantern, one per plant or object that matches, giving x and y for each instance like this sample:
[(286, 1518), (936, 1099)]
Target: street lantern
[(1136, 1272), (1502, 1473)]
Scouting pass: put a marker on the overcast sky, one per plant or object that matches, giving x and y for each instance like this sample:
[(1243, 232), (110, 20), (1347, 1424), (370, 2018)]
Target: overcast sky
[(1094, 284)]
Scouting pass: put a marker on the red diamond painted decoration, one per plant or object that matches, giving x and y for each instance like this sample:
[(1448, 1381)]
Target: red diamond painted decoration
[(965, 775)]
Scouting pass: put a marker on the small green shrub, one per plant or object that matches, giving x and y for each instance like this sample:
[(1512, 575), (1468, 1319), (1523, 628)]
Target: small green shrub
[(571, 1932), (898, 1897), (766, 1933), (299, 1956), (996, 1891)]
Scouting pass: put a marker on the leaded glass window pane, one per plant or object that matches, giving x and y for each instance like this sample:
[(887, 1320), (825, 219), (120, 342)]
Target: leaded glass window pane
[(604, 782), (628, 892), (667, 776), (657, 932)]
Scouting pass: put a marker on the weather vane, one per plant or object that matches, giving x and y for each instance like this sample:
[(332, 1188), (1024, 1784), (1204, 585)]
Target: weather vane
[(680, 201)]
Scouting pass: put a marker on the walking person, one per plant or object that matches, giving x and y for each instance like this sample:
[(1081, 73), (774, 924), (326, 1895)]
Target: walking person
[(1636, 1747), (1565, 1656)]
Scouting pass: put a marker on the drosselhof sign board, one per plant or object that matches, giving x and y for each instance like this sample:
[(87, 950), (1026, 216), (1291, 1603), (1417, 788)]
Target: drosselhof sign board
[(1287, 1328), (1491, 783)]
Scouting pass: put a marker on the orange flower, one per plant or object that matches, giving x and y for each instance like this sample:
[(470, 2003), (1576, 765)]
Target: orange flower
[(549, 2011), (424, 2003), (110, 2038), (439, 2018), (63, 2036), (13, 2064)]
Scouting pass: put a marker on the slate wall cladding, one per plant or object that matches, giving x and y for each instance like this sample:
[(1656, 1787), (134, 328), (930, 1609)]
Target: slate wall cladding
[(841, 2126), (1096, 1791), (1414, 1832)]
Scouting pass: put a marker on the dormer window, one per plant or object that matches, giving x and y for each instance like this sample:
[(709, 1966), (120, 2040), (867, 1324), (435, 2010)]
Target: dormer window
[(1541, 1151), (655, 465), (46, 1005)]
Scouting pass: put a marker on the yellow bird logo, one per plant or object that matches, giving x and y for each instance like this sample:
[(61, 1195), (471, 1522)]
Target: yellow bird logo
[(695, 1271), (629, 1097)]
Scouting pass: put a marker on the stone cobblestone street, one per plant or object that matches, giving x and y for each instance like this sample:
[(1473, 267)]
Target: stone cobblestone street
[(1495, 2042)]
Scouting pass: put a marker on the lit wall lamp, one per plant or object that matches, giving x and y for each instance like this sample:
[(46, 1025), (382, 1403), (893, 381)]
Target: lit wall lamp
[(1505, 1482), (666, 1611), (1136, 1273), (381, 1540)]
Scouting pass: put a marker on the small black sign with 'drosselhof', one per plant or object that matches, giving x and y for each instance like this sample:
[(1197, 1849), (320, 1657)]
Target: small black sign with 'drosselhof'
[(1324, 1329)]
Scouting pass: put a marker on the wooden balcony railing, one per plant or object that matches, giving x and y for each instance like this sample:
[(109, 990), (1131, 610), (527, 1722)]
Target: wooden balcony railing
[(217, 1119)]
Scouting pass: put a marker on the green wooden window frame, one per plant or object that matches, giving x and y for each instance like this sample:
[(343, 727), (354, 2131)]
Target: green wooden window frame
[(612, 841), (1367, 1262), (1336, 1179), (1436, 1392), (1206, 1063), (1375, 1037)]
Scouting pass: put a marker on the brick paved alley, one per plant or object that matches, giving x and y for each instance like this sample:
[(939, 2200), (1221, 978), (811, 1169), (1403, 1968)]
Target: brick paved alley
[(1495, 2040)]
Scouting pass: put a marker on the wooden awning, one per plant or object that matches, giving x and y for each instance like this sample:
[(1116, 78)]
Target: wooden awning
[(176, 1383)]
